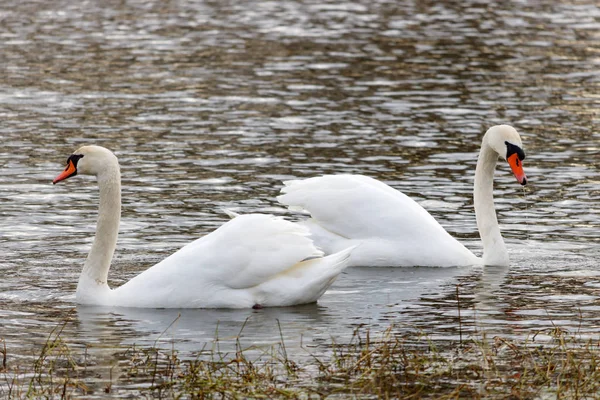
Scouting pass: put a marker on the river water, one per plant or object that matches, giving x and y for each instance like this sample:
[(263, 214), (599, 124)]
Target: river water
[(210, 105)]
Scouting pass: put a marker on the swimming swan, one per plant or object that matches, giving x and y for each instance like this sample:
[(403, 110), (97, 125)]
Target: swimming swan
[(393, 230), (252, 260)]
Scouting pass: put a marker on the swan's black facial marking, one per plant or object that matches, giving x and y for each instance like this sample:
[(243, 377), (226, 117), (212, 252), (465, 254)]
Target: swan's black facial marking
[(74, 158), (514, 149)]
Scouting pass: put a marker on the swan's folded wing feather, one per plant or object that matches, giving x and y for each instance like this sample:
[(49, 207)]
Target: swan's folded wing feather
[(356, 206), (242, 253), (265, 247)]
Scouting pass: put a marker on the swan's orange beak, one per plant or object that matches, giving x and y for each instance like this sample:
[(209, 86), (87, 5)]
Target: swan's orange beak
[(517, 168), (69, 171)]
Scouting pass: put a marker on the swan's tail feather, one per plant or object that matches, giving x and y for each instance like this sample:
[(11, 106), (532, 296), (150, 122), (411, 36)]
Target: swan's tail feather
[(339, 260), (305, 282)]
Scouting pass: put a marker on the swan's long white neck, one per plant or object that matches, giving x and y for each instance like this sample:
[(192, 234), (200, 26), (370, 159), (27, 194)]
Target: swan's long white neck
[(93, 279), (494, 250)]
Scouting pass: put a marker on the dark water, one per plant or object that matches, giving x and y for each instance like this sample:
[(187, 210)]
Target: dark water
[(210, 105)]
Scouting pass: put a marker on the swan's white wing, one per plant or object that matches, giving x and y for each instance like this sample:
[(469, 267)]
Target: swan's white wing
[(389, 228), (242, 253), (225, 267), (250, 249), (356, 206)]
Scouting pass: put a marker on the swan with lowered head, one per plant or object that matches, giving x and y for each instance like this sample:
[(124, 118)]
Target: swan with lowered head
[(252, 260), (391, 229)]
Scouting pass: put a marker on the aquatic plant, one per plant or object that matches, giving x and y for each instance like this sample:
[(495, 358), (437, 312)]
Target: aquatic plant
[(551, 362)]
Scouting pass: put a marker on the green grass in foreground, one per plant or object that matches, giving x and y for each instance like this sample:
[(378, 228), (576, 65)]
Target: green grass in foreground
[(562, 366)]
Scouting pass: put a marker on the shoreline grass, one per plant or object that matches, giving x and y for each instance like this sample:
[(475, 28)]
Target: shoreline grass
[(384, 365)]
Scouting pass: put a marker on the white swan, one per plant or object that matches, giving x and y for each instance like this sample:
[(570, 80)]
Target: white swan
[(251, 261), (393, 230)]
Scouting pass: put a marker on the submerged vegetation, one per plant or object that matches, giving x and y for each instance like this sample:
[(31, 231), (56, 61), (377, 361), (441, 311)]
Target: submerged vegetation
[(552, 363)]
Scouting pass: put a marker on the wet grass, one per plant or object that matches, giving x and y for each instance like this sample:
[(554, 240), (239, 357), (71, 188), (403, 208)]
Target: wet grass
[(549, 364)]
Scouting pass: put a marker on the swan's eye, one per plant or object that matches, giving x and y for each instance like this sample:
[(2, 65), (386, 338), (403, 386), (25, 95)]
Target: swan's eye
[(514, 149)]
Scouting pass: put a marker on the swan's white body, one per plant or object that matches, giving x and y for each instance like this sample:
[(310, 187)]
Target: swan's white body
[(251, 260), (391, 229)]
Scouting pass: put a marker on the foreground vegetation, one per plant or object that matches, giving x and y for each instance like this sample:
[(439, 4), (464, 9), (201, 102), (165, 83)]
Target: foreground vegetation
[(562, 366)]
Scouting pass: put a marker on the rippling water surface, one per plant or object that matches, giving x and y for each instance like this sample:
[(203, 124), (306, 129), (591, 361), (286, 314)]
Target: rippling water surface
[(210, 105)]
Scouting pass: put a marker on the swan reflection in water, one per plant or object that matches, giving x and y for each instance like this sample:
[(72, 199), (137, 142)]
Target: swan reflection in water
[(189, 330), (362, 296), (111, 333), (374, 297), (488, 299)]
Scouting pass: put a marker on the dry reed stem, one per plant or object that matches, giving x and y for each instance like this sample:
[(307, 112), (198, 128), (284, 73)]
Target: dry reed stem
[(386, 365)]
